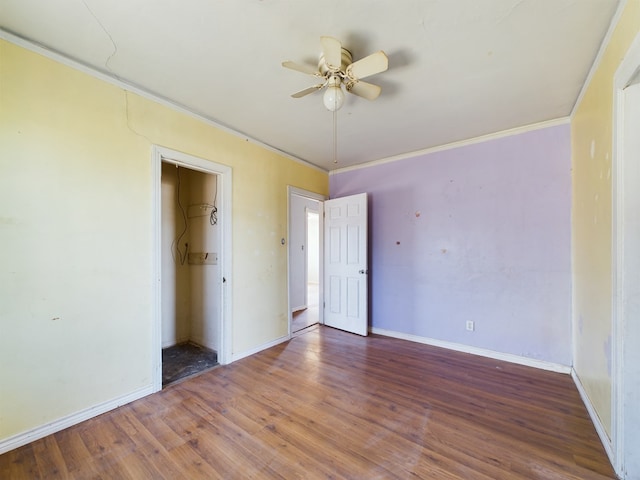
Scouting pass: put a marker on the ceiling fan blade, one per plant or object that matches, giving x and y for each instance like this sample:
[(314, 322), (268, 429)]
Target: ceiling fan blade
[(308, 69), (374, 63), (332, 51), (364, 90), (307, 91)]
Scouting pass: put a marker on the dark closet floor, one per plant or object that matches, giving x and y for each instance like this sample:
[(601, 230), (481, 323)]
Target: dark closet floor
[(184, 360)]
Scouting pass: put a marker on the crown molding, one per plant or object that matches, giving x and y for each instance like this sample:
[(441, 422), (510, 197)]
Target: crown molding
[(462, 143)]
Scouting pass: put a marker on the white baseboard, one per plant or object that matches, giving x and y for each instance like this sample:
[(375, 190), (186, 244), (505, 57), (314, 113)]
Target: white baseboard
[(459, 347), (42, 431), (264, 346), (595, 418)]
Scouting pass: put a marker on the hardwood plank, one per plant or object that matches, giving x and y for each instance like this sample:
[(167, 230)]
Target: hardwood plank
[(51, 463), (156, 454), (77, 458), (157, 427), (329, 404), (19, 464)]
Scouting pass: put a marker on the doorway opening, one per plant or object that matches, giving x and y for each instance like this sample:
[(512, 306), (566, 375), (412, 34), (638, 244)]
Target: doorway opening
[(309, 314), (190, 294), (305, 259), (191, 258)]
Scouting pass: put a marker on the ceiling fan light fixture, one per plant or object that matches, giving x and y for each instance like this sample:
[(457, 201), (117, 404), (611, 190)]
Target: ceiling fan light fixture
[(336, 68), (333, 98)]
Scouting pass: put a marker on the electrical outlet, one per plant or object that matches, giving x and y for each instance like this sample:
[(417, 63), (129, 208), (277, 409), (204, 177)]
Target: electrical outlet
[(470, 325)]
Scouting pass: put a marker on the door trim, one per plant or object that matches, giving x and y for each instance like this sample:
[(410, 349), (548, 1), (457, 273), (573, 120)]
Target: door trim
[(624, 76), (291, 190), (162, 154)]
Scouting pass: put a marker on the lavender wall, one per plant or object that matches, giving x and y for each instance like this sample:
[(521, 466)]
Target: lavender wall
[(480, 232)]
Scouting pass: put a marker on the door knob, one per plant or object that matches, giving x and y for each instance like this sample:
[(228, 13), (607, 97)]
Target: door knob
[(363, 271)]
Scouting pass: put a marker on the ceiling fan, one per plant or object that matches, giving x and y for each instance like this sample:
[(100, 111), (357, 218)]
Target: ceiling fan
[(336, 68)]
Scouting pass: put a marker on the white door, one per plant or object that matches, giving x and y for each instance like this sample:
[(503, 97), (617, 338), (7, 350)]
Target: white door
[(345, 274)]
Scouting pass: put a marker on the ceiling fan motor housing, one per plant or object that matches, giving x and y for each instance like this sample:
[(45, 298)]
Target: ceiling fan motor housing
[(345, 60)]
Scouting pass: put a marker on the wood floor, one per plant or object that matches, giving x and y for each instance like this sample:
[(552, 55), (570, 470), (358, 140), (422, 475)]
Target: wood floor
[(310, 315), (328, 404), (304, 318)]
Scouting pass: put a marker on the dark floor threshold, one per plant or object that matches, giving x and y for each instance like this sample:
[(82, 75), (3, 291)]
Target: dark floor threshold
[(185, 360)]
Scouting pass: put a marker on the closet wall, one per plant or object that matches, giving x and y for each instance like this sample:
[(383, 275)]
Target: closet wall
[(190, 247)]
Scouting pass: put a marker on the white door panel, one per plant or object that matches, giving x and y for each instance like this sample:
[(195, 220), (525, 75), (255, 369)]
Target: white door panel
[(346, 263)]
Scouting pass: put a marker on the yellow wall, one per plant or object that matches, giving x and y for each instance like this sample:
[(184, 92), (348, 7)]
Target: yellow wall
[(76, 236), (591, 132)]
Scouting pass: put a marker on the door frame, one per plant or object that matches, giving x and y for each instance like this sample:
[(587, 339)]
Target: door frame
[(291, 190), (621, 243), (162, 154)]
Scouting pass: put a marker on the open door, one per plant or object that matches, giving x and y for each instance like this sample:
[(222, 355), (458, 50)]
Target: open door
[(345, 273)]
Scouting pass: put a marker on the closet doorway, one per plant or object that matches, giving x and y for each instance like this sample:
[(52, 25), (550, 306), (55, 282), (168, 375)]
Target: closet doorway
[(191, 257), (190, 290)]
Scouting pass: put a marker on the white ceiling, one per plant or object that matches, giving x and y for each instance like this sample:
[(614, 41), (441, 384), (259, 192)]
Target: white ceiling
[(457, 69)]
